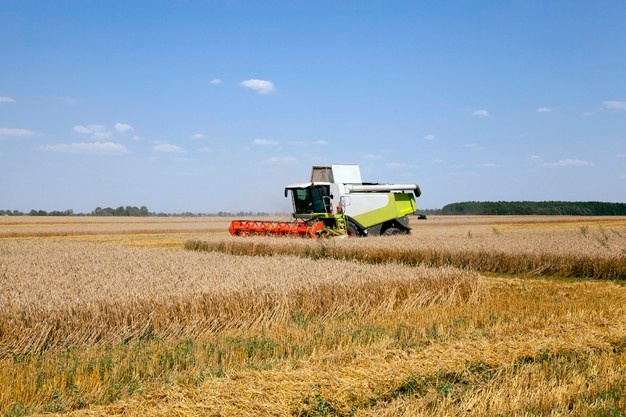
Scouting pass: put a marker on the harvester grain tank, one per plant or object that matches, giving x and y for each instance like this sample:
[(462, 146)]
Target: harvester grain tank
[(337, 202)]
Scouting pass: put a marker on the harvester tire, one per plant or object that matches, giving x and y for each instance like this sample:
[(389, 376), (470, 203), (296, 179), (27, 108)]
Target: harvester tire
[(352, 230), (392, 231)]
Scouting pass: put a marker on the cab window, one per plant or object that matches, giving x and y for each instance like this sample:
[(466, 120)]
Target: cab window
[(310, 200)]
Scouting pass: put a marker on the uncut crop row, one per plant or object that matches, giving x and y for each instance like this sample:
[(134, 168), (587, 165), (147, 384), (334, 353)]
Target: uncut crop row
[(597, 253)]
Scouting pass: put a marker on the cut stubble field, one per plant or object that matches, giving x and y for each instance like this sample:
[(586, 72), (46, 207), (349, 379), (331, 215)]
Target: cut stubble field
[(172, 316)]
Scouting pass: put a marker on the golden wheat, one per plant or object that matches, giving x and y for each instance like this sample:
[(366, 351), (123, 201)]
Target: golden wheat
[(596, 254), (67, 294), (511, 354), (90, 321), (20, 227)]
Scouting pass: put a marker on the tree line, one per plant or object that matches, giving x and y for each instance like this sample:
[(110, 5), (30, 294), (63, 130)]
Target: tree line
[(121, 211), (99, 211), (37, 213), (565, 208), (128, 211)]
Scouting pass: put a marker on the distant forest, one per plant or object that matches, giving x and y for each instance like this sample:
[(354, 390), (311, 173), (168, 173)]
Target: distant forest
[(513, 208), (132, 211), (565, 208)]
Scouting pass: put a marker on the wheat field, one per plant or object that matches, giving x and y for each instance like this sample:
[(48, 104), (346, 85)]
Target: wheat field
[(172, 316)]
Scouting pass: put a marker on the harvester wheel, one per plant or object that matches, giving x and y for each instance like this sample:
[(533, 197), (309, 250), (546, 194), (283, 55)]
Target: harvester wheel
[(352, 230), (392, 231)]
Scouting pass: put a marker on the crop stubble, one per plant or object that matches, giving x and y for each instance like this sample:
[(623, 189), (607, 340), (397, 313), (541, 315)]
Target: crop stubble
[(163, 331)]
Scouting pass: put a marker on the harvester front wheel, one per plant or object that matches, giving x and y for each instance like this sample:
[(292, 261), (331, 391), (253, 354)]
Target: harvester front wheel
[(352, 230)]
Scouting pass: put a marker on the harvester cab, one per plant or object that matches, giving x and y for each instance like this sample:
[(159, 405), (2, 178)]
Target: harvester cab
[(337, 202)]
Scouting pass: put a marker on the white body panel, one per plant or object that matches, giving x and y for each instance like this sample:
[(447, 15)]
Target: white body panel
[(380, 187), (346, 174), (357, 204), (354, 203)]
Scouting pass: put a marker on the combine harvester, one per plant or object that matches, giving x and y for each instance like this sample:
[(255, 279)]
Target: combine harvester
[(337, 203)]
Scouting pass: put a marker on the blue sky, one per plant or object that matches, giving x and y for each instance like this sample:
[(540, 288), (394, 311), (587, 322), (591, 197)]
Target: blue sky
[(205, 106)]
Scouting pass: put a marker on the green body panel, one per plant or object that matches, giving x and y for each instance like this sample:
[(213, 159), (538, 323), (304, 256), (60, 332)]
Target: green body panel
[(399, 205)]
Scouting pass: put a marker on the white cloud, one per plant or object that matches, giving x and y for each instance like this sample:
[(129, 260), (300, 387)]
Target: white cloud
[(216, 81), (489, 165), (614, 104), (430, 136), (396, 165), (260, 86), (167, 148), (70, 101), (182, 159), (95, 131), (264, 142), (123, 127), (198, 136), (282, 160), (372, 157), (481, 113), (8, 131), (544, 110), (568, 163), (205, 149), (535, 158), (87, 147), (6, 100), (308, 143), (89, 129)]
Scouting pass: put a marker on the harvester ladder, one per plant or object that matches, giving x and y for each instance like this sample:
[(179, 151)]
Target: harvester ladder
[(341, 222)]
